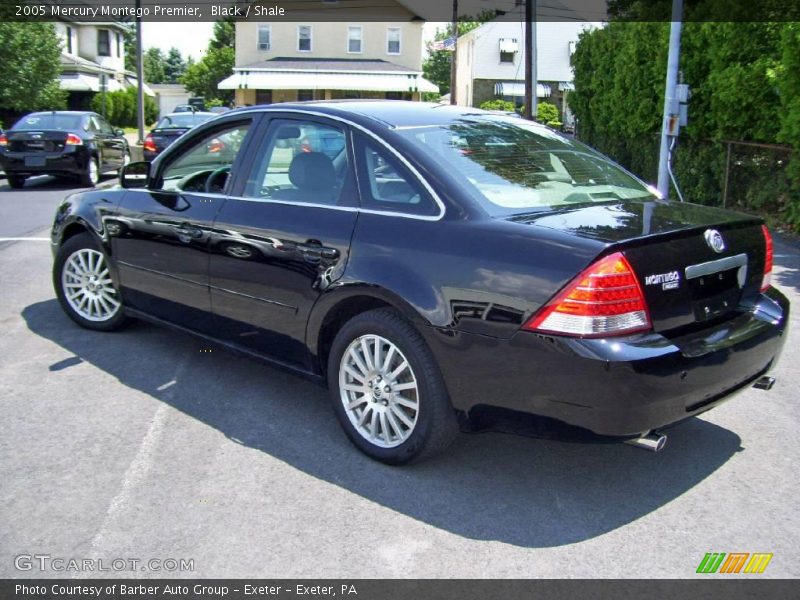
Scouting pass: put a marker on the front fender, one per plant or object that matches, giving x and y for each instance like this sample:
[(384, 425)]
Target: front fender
[(91, 211)]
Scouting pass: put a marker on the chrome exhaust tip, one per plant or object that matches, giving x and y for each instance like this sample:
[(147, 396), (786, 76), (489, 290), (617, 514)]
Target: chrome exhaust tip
[(764, 383), (653, 441)]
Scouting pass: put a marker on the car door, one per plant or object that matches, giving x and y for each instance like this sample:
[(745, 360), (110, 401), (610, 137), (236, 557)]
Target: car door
[(285, 237), (161, 234), (114, 144)]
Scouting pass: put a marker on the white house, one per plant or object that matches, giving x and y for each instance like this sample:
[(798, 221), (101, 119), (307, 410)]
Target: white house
[(491, 62), (92, 53)]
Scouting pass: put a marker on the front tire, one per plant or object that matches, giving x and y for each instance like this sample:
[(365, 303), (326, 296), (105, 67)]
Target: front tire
[(84, 287), (387, 391), (16, 182)]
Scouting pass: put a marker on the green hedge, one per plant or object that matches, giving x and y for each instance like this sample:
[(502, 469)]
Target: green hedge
[(745, 82), (121, 107)]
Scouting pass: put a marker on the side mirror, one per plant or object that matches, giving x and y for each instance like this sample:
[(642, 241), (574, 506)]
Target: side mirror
[(119, 132), (135, 175)]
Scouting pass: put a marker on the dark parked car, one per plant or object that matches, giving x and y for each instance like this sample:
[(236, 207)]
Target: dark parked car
[(445, 266), (62, 143), (169, 129)]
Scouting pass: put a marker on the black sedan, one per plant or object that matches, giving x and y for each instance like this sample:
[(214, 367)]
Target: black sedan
[(170, 128), (445, 265), (63, 144)]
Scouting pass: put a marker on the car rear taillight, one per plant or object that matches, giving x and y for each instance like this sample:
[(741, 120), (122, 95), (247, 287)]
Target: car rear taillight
[(766, 281), (3, 140), (605, 300), (149, 144), (73, 140)]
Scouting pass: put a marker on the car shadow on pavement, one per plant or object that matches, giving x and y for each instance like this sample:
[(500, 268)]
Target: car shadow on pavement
[(43, 183), (516, 490)]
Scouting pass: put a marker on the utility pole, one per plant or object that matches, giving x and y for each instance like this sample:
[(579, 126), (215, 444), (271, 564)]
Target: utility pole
[(139, 74), (531, 76), (454, 59), (671, 103)]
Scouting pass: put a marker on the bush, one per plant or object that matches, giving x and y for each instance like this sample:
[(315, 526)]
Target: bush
[(97, 106), (121, 107), (547, 113), (498, 104)]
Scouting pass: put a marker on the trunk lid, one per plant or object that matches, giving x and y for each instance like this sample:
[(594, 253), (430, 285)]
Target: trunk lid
[(164, 137), (30, 141), (688, 278)]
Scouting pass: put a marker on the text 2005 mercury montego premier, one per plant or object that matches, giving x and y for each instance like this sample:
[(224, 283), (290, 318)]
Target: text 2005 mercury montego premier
[(430, 263)]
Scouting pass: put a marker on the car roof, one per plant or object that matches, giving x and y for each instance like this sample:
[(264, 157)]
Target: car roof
[(391, 113), (62, 112), (195, 112)]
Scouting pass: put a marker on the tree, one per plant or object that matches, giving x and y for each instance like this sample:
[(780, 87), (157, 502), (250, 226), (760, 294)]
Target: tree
[(30, 67), (202, 77), (174, 66), (130, 47), (436, 67), (224, 35), (745, 85), (154, 64)]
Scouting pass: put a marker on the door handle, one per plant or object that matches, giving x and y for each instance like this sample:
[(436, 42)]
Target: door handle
[(314, 251)]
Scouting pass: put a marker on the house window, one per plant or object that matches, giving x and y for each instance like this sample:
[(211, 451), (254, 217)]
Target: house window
[(393, 40), (69, 40), (119, 45), (264, 37), (304, 38), (508, 48), (103, 42), (305, 95), (354, 38), (263, 96)]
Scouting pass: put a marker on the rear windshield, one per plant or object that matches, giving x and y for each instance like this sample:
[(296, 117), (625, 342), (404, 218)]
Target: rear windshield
[(49, 121), (182, 121), (512, 165)]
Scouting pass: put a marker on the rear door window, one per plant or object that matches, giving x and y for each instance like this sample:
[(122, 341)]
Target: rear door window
[(387, 185)]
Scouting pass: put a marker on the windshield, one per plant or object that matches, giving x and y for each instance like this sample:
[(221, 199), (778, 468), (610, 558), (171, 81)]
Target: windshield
[(515, 166), (182, 120), (49, 121)]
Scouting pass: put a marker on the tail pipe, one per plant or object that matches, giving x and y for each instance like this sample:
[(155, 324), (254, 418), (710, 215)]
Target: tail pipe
[(764, 383), (653, 441)]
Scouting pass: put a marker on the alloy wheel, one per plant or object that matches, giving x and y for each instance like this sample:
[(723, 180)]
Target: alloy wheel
[(379, 391), (88, 287), (94, 172)]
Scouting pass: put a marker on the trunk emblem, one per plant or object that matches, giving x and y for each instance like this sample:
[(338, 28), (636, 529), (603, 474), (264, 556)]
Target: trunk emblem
[(714, 240)]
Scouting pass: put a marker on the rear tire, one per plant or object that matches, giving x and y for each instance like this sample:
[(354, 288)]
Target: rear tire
[(16, 182), (84, 287), (91, 174), (393, 413)]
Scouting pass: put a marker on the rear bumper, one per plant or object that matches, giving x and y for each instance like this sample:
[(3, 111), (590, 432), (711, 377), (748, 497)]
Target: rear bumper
[(71, 161), (615, 386)]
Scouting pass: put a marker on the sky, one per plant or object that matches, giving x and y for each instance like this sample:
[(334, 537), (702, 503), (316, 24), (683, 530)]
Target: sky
[(192, 38)]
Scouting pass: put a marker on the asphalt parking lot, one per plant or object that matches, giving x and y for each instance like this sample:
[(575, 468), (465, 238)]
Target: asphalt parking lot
[(146, 444)]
